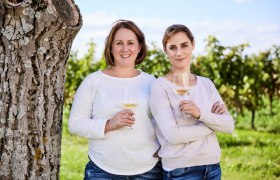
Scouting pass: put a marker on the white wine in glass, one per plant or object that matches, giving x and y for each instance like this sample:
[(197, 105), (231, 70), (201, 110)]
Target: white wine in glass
[(129, 106), (181, 87), (129, 100), (181, 92)]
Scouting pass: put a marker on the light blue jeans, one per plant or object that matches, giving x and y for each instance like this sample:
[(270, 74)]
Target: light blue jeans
[(93, 172), (205, 172)]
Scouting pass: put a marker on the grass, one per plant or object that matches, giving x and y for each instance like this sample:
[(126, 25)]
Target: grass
[(73, 157), (246, 154), (74, 151)]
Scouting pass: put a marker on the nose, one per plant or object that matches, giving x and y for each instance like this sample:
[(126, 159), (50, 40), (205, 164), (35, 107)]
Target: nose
[(125, 47), (179, 52)]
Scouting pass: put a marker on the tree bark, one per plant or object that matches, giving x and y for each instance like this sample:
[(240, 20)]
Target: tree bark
[(253, 119), (35, 42), (271, 104)]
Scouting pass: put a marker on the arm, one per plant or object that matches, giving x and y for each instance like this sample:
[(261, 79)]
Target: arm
[(218, 122), (221, 123), (163, 114), (80, 121)]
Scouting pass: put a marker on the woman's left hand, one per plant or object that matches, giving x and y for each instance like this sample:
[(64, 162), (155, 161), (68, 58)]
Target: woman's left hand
[(189, 107)]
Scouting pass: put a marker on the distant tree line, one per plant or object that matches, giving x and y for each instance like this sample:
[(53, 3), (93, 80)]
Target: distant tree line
[(243, 80)]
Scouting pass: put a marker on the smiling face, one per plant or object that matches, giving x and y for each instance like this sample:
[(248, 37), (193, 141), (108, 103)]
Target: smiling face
[(125, 48), (179, 51)]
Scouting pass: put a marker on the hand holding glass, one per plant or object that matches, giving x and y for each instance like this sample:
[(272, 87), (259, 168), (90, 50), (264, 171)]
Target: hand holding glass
[(181, 87)]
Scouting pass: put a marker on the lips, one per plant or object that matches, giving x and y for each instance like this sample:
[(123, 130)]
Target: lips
[(125, 55), (180, 59)]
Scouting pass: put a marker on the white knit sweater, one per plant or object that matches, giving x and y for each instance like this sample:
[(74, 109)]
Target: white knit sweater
[(193, 142), (122, 151)]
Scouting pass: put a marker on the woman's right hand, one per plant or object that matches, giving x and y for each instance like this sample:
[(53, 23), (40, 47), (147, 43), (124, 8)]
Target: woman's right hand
[(119, 120), (219, 108)]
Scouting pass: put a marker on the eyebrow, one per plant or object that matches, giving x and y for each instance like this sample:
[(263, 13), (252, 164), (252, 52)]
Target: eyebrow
[(180, 44), (185, 42), (125, 40)]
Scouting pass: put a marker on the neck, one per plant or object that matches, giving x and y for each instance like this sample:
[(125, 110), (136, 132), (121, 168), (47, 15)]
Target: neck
[(123, 72), (181, 70)]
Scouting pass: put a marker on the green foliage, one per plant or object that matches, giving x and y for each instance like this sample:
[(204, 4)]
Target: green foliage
[(242, 80), (224, 66), (271, 70), (155, 63), (77, 70), (264, 120)]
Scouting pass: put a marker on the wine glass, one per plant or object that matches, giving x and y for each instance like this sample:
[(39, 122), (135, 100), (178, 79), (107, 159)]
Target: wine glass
[(181, 87), (129, 100)]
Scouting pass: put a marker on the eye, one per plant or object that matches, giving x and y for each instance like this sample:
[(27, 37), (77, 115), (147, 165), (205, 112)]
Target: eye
[(185, 46), (172, 48), (118, 43)]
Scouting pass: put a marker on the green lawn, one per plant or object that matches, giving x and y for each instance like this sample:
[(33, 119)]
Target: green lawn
[(73, 157), (246, 154)]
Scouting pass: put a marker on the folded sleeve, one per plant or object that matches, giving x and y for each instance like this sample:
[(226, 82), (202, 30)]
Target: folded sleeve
[(221, 123), (165, 121)]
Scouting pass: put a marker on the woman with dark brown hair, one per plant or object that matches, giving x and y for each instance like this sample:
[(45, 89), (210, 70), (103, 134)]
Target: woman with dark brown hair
[(111, 109)]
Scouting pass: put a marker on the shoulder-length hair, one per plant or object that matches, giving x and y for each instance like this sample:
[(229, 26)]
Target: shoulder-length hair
[(109, 41)]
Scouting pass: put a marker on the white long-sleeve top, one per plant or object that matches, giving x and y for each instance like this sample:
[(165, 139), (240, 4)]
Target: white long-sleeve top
[(123, 151), (187, 142)]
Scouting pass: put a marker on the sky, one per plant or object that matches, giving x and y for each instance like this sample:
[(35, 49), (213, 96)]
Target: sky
[(232, 22)]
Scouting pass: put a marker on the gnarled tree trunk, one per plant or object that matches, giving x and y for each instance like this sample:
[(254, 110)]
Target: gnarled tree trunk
[(35, 42)]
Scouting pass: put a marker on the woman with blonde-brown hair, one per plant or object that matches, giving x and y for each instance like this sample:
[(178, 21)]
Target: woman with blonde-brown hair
[(186, 123)]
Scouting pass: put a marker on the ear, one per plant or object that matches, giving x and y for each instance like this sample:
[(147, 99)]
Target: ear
[(140, 47), (164, 50), (193, 44)]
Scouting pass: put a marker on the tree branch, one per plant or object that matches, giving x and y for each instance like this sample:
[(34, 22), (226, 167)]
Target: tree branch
[(66, 11)]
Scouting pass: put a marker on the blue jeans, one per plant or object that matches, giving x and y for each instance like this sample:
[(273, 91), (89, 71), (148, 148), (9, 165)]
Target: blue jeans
[(205, 172), (93, 172)]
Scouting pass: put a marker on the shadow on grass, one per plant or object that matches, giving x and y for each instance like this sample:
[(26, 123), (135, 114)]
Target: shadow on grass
[(253, 142), (233, 143)]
